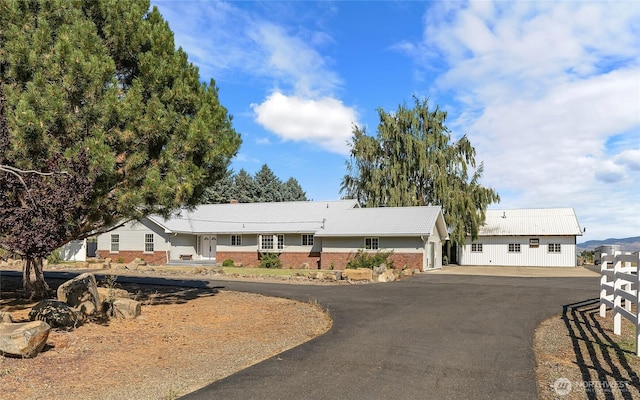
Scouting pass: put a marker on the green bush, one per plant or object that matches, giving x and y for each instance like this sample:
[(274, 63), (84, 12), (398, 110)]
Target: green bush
[(228, 263), (54, 258), (363, 259), (270, 260)]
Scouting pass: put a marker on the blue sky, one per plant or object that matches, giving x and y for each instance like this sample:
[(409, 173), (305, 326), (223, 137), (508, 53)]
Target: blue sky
[(547, 92)]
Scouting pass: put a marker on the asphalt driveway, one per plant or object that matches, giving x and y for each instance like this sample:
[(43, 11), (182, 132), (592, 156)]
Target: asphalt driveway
[(429, 337)]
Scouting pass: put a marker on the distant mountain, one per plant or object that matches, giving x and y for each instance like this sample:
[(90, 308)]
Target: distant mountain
[(626, 244)]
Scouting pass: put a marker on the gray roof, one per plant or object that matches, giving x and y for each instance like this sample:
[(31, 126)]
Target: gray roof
[(385, 221), (281, 217), (533, 221)]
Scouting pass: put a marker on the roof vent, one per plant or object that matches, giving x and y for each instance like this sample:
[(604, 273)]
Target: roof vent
[(504, 214)]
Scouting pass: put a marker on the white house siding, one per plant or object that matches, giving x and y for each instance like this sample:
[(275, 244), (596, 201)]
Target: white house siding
[(182, 245), (406, 250), (132, 242), (495, 251), (75, 250)]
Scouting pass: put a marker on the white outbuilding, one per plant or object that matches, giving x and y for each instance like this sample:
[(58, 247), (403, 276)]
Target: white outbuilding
[(544, 237)]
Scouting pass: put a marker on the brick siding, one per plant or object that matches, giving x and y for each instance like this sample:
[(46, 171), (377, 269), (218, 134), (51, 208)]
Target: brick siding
[(155, 258)]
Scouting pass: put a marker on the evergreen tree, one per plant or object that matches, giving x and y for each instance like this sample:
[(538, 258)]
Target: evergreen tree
[(245, 187), (412, 162), (292, 191), (101, 81), (268, 186)]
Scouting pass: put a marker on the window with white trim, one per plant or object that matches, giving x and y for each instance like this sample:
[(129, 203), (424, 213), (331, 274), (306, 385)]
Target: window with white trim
[(236, 240), (307, 240), (514, 247), (554, 247), (148, 242), (115, 243), (371, 243), (266, 242), (476, 247)]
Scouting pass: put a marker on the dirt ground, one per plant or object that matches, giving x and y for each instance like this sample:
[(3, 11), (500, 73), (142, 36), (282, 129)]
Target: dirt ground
[(184, 340), (579, 357)]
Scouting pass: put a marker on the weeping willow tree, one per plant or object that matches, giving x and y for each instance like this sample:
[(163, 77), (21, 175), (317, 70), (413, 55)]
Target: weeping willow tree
[(413, 162)]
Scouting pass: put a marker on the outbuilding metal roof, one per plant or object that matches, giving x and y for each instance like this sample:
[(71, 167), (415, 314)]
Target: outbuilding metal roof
[(281, 217), (384, 221), (532, 221)]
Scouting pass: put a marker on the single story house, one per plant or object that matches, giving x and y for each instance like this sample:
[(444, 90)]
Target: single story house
[(320, 234), (544, 237)]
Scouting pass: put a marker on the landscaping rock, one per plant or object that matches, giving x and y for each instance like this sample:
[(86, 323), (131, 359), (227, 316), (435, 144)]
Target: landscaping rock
[(387, 276), (25, 339), (55, 313), (5, 317), (81, 293), (108, 294), (126, 308), (381, 269), (360, 274)]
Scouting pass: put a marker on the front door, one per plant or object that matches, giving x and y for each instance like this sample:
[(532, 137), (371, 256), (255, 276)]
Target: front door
[(208, 247)]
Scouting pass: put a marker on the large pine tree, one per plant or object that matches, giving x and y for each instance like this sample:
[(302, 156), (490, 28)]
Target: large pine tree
[(412, 161), (102, 81)]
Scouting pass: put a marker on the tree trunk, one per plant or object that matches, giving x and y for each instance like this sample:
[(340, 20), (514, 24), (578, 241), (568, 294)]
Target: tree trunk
[(33, 281)]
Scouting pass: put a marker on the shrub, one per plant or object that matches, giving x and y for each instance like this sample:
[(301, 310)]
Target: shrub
[(228, 263), (363, 259), (54, 257), (270, 260)]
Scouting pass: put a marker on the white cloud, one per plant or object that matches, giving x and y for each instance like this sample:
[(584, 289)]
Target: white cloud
[(232, 43), (541, 89), (325, 121)]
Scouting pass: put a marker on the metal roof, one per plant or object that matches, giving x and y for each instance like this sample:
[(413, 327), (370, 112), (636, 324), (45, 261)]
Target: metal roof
[(532, 221), (280, 217), (384, 221)]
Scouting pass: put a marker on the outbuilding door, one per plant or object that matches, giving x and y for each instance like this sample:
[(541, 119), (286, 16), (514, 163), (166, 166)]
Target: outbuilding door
[(208, 247)]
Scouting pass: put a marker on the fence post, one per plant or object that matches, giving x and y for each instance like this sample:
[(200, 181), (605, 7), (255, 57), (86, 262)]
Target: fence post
[(603, 285), (617, 300)]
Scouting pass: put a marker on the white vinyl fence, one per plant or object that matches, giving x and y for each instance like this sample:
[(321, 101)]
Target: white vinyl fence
[(619, 290)]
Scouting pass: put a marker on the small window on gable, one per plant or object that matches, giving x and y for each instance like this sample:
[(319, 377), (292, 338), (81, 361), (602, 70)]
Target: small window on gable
[(115, 243), (148, 242), (307, 240), (534, 243), (476, 247), (236, 240), (371, 243)]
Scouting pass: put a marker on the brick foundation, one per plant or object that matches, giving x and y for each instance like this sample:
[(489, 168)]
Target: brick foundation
[(340, 260), (126, 256), (289, 260)]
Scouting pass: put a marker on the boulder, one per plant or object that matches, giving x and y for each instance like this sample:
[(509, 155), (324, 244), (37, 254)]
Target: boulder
[(381, 269), (360, 274), (108, 294), (407, 272), (25, 339), (5, 317), (81, 293), (387, 276), (55, 313), (126, 308)]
